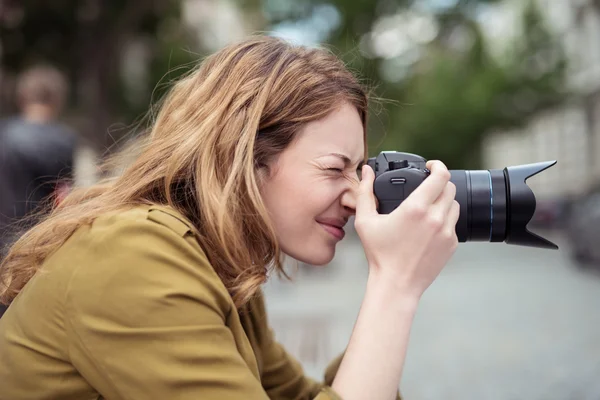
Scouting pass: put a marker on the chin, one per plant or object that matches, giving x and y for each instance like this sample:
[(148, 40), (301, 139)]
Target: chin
[(316, 257)]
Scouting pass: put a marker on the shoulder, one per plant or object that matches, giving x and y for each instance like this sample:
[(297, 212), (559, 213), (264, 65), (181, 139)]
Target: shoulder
[(145, 257), (154, 220)]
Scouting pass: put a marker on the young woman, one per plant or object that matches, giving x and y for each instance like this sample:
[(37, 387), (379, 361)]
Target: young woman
[(148, 286)]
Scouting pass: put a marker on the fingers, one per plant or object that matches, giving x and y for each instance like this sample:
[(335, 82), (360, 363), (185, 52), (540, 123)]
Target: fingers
[(452, 219), (454, 214), (432, 187), (365, 203), (438, 213), (444, 202)]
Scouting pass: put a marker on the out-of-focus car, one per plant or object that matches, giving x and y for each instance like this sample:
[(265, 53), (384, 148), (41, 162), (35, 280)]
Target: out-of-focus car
[(582, 228)]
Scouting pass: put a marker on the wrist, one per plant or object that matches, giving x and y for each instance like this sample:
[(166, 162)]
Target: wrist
[(392, 291)]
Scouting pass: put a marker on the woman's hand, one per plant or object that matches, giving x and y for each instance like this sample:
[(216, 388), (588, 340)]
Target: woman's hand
[(409, 247), (406, 251)]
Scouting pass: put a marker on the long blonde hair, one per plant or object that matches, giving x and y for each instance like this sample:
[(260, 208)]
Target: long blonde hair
[(220, 124)]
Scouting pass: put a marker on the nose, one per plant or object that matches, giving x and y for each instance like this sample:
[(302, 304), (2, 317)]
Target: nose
[(349, 198)]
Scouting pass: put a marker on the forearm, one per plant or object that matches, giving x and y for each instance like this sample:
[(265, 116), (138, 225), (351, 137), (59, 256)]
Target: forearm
[(373, 362)]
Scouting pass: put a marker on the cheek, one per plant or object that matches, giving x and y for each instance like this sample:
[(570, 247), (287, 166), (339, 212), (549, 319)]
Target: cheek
[(296, 203), (320, 199), (317, 196), (284, 200)]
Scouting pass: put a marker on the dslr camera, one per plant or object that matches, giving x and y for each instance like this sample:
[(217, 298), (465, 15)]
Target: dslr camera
[(495, 205)]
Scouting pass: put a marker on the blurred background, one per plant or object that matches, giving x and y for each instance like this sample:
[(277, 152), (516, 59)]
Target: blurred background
[(478, 84)]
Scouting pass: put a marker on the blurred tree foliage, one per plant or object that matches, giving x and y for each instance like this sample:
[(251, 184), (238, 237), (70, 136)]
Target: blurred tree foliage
[(92, 41), (455, 91), (445, 94)]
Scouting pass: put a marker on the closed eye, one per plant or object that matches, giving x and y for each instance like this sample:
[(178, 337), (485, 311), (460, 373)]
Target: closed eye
[(335, 170), (359, 173)]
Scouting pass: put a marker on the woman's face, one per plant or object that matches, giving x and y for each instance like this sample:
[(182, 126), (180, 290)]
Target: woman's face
[(312, 188)]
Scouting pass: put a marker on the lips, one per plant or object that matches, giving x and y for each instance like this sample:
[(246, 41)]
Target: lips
[(334, 227)]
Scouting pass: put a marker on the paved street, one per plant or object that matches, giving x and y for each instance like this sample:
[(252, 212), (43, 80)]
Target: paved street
[(501, 322)]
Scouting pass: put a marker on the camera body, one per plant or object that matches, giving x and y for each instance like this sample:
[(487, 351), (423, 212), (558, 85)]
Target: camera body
[(397, 175)]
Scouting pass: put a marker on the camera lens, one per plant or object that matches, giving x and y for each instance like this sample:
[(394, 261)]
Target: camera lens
[(496, 205), (482, 196)]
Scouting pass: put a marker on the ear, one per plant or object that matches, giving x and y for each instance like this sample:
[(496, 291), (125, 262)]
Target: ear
[(262, 173), (266, 171)]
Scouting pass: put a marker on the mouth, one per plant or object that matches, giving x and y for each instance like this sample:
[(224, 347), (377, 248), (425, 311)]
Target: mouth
[(334, 230)]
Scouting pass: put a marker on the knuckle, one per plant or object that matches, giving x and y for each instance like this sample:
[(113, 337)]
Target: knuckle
[(451, 187), (440, 168), (445, 174), (435, 222), (450, 236), (456, 208), (454, 244), (416, 210)]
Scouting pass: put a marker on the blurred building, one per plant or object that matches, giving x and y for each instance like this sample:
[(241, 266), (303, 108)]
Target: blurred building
[(569, 133)]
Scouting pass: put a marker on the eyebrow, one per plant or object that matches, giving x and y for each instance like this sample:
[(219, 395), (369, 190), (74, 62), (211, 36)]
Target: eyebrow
[(347, 161)]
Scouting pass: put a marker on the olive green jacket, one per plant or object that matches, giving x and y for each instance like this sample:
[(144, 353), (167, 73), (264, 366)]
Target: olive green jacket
[(130, 308)]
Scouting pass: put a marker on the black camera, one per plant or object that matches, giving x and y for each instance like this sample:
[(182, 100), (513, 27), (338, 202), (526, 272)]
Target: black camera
[(495, 205)]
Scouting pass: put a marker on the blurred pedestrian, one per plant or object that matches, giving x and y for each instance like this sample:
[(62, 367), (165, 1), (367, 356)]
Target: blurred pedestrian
[(36, 151)]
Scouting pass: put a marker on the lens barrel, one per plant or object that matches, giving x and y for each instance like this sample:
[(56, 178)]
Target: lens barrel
[(483, 199), (496, 205)]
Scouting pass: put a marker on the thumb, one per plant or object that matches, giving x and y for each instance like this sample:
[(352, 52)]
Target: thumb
[(366, 203)]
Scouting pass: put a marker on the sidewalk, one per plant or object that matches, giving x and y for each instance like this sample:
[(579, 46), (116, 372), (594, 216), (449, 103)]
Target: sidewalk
[(501, 322)]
